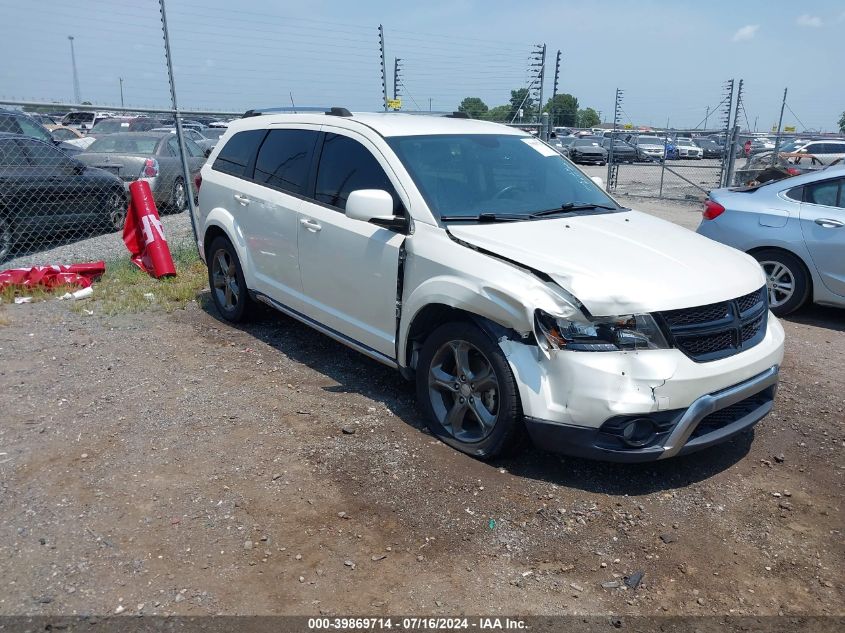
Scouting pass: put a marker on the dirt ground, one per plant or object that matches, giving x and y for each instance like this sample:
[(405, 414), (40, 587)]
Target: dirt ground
[(174, 464)]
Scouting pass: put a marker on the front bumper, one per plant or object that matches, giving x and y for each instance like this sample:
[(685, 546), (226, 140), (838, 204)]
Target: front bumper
[(710, 420)]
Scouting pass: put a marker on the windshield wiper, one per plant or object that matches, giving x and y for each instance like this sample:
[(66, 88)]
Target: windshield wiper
[(483, 217), (571, 207)]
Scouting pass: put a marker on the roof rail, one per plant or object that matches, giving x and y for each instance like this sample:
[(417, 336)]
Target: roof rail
[(457, 115), (338, 112)]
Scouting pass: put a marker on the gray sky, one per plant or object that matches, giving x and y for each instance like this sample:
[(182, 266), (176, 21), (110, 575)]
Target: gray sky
[(671, 58)]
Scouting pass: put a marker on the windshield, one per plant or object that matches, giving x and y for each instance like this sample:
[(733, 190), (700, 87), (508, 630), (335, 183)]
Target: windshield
[(213, 132), (648, 140), (469, 174), (78, 117), (110, 125), (586, 142), (120, 144)]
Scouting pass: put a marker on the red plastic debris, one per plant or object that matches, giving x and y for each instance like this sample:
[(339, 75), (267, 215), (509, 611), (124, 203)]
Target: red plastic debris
[(82, 275), (144, 235)]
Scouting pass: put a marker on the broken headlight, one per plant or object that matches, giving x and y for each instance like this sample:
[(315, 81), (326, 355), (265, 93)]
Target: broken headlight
[(602, 334)]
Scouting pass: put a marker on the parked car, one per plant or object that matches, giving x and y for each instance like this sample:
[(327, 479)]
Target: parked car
[(622, 152), (111, 125), (84, 120), (212, 135), (44, 192), (562, 144), (202, 142), (648, 147), (588, 149), (150, 156), (69, 136), (13, 122), (478, 262), (825, 151), (710, 148), (761, 168), (144, 124), (795, 228), (686, 148)]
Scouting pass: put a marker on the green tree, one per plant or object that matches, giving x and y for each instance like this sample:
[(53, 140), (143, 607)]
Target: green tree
[(563, 110), (520, 99), (588, 118), (474, 107), (500, 114), (842, 123)]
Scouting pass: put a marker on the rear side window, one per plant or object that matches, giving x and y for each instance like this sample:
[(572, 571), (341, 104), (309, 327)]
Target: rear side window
[(9, 124), (796, 193), (345, 166), (238, 153), (284, 158), (824, 193)]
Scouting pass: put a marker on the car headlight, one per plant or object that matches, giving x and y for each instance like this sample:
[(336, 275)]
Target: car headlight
[(601, 334)]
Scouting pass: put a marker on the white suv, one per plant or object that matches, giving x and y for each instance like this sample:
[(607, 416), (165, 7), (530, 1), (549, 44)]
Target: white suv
[(477, 261)]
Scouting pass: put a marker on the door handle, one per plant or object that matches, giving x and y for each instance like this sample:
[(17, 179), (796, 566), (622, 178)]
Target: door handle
[(242, 199), (829, 223), (310, 224)]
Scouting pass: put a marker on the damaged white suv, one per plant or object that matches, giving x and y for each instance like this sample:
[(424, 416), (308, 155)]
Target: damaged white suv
[(479, 262)]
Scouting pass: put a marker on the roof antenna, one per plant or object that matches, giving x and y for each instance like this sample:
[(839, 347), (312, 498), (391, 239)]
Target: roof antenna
[(292, 103)]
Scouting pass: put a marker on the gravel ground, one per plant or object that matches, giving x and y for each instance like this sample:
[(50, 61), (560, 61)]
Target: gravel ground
[(174, 464)]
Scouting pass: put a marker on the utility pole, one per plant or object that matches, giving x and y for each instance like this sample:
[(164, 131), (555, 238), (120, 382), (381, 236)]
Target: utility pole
[(542, 79), (121, 91), (554, 90), (396, 76), (536, 71), (706, 117), (780, 127), (381, 56), (76, 96), (429, 104)]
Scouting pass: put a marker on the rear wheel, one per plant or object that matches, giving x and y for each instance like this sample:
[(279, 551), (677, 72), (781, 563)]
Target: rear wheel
[(178, 197), (787, 280), (468, 392), (117, 209), (226, 280)]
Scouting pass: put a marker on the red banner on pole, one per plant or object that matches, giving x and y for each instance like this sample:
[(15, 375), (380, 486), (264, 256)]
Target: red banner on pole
[(143, 233)]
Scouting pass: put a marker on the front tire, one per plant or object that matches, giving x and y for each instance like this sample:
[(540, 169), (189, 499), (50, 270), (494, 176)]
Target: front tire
[(468, 393), (787, 280), (226, 280), (117, 209)]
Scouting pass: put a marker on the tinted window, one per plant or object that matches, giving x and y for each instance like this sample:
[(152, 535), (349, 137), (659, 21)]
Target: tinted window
[(63, 134), (33, 129), (75, 118), (194, 150), (238, 153), (44, 155), (12, 155), (284, 158), (825, 193), (10, 124), (796, 193), (346, 165)]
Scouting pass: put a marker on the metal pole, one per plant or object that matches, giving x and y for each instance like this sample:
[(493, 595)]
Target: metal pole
[(540, 104), (554, 91), (728, 99), (396, 61), (612, 168), (381, 54), (732, 157), (180, 137), (76, 96), (780, 127), (121, 91), (706, 117)]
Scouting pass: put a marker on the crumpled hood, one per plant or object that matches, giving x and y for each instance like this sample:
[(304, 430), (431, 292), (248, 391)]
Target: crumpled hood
[(621, 263)]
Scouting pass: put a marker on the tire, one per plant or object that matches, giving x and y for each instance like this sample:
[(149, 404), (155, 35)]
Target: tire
[(7, 239), (226, 280), (782, 268), (178, 197), (438, 373), (117, 208)]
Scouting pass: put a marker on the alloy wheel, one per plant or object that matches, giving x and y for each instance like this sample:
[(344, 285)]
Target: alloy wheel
[(464, 391), (227, 291), (179, 196), (780, 283), (117, 211)]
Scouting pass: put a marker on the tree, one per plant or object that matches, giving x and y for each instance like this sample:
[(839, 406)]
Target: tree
[(474, 107), (842, 123), (588, 118), (520, 99), (563, 110), (500, 113)]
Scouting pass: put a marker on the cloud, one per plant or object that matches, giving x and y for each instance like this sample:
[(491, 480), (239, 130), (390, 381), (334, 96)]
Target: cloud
[(747, 32), (809, 20)]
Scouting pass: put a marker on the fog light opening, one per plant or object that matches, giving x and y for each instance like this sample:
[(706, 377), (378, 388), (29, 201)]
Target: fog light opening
[(638, 432)]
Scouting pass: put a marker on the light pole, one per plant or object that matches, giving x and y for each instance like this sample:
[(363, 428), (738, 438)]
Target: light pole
[(121, 91), (76, 96)]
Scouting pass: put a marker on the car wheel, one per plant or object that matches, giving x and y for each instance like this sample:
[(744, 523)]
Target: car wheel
[(117, 208), (787, 280), (467, 390), (7, 239), (226, 280), (178, 197)]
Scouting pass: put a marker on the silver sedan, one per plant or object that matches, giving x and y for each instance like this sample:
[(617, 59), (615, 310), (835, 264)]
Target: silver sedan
[(795, 228)]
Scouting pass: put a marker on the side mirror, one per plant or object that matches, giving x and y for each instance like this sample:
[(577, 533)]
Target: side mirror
[(598, 181), (374, 206)]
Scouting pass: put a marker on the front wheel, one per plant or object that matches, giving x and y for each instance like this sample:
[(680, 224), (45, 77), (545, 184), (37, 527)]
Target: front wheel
[(467, 390), (117, 209), (787, 280)]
